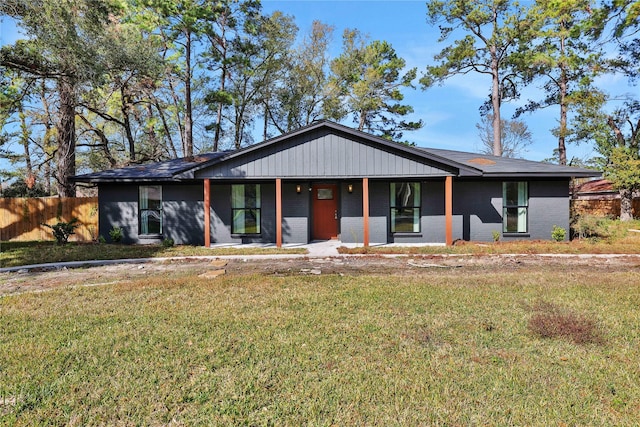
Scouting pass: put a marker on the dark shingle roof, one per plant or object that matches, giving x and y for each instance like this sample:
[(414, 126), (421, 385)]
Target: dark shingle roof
[(157, 171), (504, 166)]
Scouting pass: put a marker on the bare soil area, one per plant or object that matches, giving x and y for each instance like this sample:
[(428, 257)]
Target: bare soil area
[(414, 265)]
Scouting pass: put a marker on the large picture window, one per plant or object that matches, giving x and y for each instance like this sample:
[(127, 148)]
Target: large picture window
[(245, 206), (405, 207), (515, 206), (150, 209)]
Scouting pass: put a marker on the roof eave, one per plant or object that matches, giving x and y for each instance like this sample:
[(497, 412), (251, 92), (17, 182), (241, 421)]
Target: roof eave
[(568, 174), (102, 180)]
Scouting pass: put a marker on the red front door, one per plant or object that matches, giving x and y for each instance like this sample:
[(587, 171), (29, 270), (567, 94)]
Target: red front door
[(325, 212)]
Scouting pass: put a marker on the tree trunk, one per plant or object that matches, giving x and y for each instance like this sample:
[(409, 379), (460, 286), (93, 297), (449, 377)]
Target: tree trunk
[(265, 123), (153, 137), (495, 102), (363, 121), (24, 139), (46, 142), (171, 147), (188, 116), (124, 108), (626, 205), (223, 79), (66, 152), (564, 82)]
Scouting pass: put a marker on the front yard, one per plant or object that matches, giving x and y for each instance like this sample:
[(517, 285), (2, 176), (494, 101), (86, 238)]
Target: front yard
[(15, 254), (607, 237), (485, 344)]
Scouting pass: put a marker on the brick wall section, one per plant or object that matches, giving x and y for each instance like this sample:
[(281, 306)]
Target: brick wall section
[(295, 212), (548, 207), (601, 207)]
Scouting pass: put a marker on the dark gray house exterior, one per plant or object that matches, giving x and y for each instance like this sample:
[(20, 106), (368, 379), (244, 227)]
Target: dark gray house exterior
[(328, 181)]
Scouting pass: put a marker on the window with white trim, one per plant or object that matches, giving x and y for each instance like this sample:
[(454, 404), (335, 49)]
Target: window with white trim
[(245, 209), (150, 209), (405, 207), (515, 207)]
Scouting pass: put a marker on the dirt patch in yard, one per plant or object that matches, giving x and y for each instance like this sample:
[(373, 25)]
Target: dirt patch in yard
[(43, 280)]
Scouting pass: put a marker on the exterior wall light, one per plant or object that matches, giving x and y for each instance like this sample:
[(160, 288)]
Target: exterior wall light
[(298, 188), (350, 188)]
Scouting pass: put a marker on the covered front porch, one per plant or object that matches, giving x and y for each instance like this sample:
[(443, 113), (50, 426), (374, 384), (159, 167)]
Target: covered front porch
[(338, 209)]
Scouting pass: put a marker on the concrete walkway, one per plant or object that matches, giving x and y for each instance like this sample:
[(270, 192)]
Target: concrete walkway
[(320, 248)]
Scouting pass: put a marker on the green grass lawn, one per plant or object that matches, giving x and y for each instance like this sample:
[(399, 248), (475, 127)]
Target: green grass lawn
[(445, 348), (13, 254)]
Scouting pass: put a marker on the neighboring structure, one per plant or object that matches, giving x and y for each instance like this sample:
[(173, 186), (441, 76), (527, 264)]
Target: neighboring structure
[(328, 181), (599, 198)]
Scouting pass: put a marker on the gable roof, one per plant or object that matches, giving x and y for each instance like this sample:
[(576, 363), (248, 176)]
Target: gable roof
[(442, 162), (327, 150)]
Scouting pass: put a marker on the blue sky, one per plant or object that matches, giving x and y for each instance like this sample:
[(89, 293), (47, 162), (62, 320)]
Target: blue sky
[(450, 112)]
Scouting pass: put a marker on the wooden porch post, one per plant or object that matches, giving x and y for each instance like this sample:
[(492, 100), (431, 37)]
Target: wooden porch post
[(279, 212), (448, 210), (365, 210), (207, 212)]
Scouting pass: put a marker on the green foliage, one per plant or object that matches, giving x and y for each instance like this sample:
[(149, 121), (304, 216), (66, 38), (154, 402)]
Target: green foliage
[(564, 57), (493, 32), (62, 230), (116, 234), (558, 234), (19, 188), (496, 235), (101, 239), (304, 97), (367, 80), (624, 168), (596, 228), (168, 243)]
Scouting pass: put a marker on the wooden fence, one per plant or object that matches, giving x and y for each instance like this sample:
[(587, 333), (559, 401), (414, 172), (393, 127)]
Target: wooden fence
[(601, 207), (21, 219)]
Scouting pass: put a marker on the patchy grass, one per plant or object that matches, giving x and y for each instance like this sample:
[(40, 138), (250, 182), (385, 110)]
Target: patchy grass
[(448, 348), (552, 321), (14, 254)]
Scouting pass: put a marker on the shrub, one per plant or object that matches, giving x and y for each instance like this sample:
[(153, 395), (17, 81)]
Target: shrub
[(552, 321), (116, 234), (101, 239), (62, 230), (593, 227), (167, 243), (496, 235), (558, 233)]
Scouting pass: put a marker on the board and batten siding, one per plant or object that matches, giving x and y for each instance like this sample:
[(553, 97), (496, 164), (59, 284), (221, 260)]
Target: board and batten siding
[(322, 154)]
